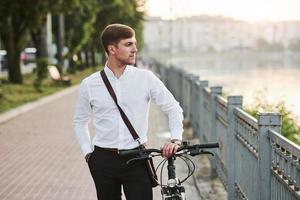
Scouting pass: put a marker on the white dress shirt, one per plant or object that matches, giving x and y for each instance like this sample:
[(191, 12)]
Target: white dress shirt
[(134, 90)]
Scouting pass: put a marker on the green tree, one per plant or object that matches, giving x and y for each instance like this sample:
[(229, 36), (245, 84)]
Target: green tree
[(80, 26), (84, 28), (85, 19), (16, 18), (14, 21), (128, 12), (37, 29)]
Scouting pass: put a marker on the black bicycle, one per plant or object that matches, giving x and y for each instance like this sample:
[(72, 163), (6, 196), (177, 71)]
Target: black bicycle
[(173, 190)]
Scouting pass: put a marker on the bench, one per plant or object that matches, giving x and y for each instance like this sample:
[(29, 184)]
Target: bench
[(56, 77)]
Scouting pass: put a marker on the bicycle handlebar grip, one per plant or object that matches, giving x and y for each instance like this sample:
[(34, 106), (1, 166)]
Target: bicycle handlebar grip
[(201, 146), (138, 151), (209, 145)]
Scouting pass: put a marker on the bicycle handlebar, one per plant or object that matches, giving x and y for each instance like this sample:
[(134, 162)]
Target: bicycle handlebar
[(137, 151), (199, 146), (183, 147)]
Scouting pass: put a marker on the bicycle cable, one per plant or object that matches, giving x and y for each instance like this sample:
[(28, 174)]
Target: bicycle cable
[(188, 161), (161, 171)]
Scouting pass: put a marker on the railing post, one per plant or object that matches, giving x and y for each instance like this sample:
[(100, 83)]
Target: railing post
[(164, 75), (200, 106), (196, 128), (161, 71), (167, 76), (176, 83), (194, 103), (266, 121), (191, 96), (232, 103), (181, 86), (188, 98), (169, 79), (216, 90), (184, 93)]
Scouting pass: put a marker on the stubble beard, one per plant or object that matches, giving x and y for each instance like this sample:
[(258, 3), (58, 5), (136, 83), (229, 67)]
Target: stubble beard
[(129, 61)]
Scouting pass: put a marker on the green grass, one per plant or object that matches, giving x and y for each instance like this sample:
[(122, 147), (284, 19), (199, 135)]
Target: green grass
[(14, 95)]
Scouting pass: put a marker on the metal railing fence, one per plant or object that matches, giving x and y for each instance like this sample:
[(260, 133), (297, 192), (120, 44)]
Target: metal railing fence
[(254, 160)]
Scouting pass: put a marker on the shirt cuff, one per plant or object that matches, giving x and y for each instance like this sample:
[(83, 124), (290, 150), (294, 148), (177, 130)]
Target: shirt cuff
[(86, 148), (176, 135)]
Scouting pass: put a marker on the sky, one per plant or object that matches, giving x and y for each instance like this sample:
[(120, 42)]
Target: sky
[(247, 10)]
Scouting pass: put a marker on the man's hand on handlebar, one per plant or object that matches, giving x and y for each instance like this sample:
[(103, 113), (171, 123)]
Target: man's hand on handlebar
[(170, 148)]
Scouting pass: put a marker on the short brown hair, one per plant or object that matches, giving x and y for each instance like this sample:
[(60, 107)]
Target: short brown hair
[(113, 33)]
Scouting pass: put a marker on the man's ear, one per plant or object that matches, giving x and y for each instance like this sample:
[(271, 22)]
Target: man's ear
[(111, 49)]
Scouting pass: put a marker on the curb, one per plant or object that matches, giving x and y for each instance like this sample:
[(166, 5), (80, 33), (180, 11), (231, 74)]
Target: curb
[(6, 116)]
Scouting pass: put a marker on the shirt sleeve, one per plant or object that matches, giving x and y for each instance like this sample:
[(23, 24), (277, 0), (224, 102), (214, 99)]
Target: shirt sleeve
[(168, 104), (81, 119)]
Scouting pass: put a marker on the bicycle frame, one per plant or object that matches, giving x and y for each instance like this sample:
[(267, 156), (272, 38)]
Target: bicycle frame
[(173, 190)]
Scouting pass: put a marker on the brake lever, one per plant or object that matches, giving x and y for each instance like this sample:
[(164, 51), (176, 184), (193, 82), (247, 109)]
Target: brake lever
[(195, 152)]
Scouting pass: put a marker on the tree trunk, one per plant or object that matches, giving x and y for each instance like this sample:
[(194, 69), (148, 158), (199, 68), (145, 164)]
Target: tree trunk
[(72, 66), (12, 43), (87, 60), (14, 68), (40, 42), (80, 60), (72, 63), (103, 57), (39, 39), (93, 58), (60, 41), (80, 57)]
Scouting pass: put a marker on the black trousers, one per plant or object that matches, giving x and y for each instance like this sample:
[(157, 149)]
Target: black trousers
[(110, 171)]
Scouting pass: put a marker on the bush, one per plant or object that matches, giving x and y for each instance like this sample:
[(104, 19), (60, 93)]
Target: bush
[(41, 72), (289, 128)]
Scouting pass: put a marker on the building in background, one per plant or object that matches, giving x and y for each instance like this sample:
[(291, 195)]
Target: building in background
[(217, 34)]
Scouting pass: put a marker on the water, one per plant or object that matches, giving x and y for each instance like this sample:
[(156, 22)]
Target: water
[(271, 77)]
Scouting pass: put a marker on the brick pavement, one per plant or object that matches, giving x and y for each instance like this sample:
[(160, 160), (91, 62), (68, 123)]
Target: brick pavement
[(40, 158)]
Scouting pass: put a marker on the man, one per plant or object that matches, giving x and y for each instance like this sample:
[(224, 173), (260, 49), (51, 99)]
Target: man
[(134, 89)]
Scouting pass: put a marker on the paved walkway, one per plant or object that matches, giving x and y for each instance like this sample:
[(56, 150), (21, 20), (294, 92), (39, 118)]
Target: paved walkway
[(40, 159)]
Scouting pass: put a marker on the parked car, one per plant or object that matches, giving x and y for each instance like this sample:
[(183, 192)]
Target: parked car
[(3, 60), (28, 55)]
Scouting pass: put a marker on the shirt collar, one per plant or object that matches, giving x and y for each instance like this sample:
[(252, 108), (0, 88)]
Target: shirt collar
[(110, 73)]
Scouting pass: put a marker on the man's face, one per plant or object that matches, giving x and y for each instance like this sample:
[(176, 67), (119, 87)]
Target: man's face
[(125, 51)]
